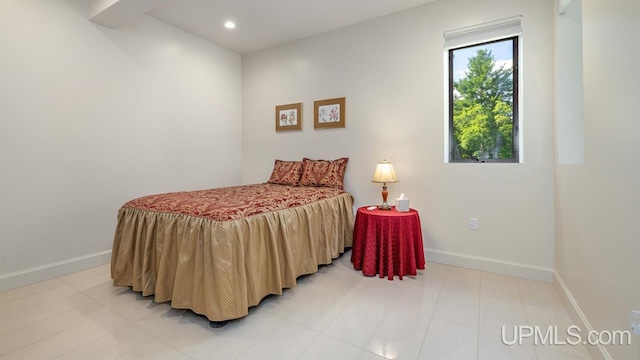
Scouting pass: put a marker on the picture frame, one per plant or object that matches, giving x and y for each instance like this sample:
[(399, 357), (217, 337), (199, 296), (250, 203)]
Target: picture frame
[(289, 117), (329, 113)]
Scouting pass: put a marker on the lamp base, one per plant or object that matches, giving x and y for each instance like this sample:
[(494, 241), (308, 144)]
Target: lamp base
[(384, 206)]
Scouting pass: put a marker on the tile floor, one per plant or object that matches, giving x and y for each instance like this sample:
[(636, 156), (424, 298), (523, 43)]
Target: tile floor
[(445, 312)]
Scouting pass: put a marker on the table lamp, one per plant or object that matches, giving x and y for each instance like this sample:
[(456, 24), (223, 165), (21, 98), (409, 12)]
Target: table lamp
[(384, 174)]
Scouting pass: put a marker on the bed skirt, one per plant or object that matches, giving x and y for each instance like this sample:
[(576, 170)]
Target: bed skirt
[(221, 268)]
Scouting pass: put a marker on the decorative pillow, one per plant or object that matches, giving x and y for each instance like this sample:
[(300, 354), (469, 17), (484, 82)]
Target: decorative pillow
[(323, 172), (286, 173)]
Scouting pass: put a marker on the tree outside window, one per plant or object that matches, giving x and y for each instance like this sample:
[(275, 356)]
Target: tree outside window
[(483, 102)]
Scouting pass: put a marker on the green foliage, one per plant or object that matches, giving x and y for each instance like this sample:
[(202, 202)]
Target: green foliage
[(483, 110)]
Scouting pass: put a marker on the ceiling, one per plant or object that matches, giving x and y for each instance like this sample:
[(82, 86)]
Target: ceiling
[(263, 24)]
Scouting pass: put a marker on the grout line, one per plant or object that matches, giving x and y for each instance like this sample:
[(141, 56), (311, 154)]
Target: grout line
[(424, 338), (81, 323), (350, 299), (131, 323), (62, 284), (47, 318), (41, 294), (526, 316), (87, 344), (386, 313), (311, 343), (479, 312), (547, 308), (285, 320), (41, 320), (74, 286)]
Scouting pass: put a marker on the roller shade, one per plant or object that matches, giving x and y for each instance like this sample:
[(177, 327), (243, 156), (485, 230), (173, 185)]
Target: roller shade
[(493, 30)]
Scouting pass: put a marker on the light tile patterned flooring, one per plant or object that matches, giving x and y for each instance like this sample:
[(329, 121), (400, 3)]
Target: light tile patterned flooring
[(445, 312)]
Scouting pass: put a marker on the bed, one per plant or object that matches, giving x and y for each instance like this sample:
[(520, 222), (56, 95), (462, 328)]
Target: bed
[(220, 251)]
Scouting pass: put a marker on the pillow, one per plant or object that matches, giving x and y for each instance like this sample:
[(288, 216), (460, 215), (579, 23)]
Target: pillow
[(323, 172), (286, 173)]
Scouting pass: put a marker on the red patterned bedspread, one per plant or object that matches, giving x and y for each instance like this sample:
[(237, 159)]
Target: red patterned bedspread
[(232, 203)]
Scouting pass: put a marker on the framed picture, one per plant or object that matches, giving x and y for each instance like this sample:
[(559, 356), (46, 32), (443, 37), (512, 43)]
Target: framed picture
[(330, 113), (289, 117)]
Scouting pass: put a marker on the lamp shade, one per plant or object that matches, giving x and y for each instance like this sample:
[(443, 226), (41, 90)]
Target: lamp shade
[(384, 173)]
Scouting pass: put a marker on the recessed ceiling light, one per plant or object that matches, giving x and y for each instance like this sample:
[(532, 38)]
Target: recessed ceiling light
[(230, 25)]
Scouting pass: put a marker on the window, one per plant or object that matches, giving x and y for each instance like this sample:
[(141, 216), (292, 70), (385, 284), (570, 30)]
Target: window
[(482, 93)]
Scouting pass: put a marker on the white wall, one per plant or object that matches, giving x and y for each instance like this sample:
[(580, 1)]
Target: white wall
[(92, 117), (391, 71), (569, 85), (598, 203)]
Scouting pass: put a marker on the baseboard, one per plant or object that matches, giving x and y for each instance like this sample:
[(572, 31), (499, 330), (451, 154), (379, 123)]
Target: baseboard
[(504, 267), (49, 271), (598, 352)]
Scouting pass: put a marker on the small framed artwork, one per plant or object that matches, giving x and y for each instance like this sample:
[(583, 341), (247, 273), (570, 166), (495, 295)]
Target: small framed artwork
[(289, 117), (330, 113)]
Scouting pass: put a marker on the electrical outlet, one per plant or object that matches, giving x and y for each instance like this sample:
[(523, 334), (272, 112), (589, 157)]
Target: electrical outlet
[(473, 224), (635, 321)]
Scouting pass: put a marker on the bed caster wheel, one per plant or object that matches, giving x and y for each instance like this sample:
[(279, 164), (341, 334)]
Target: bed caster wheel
[(217, 324)]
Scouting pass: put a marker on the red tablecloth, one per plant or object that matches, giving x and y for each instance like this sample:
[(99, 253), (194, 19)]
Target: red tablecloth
[(387, 242)]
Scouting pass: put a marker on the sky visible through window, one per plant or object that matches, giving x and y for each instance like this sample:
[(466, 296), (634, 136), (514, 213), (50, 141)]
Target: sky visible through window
[(502, 53)]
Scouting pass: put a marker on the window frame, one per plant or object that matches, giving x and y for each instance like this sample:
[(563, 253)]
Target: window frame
[(516, 101)]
